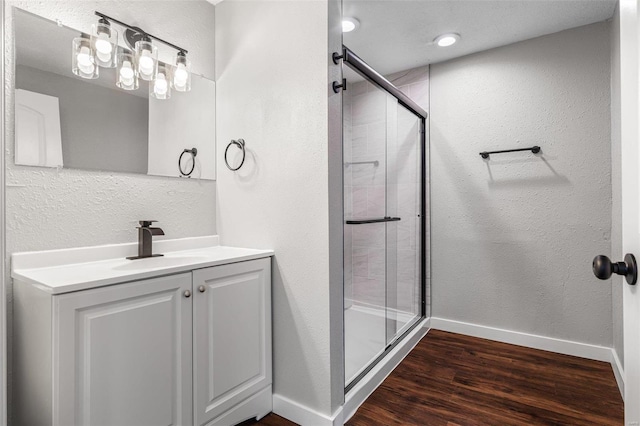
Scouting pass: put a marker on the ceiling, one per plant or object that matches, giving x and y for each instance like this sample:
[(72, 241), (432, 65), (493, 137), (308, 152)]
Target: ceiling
[(396, 35)]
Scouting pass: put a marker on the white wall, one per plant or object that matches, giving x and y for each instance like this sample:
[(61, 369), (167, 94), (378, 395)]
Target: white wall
[(617, 255), (271, 74), (513, 237), (48, 209)]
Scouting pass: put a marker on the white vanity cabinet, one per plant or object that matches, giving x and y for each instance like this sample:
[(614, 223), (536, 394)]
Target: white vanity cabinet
[(231, 337), (192, 348), (122, 354)]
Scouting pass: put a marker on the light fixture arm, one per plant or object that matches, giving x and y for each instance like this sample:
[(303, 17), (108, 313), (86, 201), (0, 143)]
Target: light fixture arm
[(139, 30)]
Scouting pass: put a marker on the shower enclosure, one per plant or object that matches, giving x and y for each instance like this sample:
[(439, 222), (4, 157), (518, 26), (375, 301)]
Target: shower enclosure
[(385, 210)]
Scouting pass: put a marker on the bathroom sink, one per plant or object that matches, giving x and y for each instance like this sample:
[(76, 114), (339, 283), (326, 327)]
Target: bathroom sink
[(100, 266)]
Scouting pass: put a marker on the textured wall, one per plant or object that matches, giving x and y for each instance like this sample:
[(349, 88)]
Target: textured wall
[(617, 283), (513, 237), (271, 73), (49, 209)]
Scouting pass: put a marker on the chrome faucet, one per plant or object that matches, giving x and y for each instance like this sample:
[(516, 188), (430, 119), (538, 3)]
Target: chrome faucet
[(145, 239)]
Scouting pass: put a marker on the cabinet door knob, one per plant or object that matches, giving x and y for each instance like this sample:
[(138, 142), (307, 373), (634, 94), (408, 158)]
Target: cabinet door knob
[(202, 289), (187, 293)]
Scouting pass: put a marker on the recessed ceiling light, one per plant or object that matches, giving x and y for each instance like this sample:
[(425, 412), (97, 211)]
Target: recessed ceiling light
[(349, 24), (445, 40)]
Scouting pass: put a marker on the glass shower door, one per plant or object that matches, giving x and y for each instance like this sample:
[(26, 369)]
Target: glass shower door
[(364, 123), (403, 202), (382, 216)]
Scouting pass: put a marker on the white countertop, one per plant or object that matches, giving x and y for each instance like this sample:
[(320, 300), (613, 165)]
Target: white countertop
[(53, 272)]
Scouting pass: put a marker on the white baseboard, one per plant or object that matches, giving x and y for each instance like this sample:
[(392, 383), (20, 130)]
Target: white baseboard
[(567, 347), (298, 413), (369, 383), (618, 371)]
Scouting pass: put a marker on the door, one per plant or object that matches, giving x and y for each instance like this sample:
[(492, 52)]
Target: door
[(403, 201), (232, 335), (366, 267), (123, 354), (383, 175), (630, 136), (38, 135)]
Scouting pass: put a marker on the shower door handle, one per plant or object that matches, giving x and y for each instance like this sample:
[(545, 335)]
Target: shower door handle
[(376, 220)]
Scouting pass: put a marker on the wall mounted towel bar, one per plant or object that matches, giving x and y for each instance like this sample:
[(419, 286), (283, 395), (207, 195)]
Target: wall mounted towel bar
[(534, 149)]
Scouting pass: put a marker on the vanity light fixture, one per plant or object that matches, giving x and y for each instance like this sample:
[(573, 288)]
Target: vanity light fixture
[(446, 40), (349, 24), (106, 43), (141, 62), (83, 60)]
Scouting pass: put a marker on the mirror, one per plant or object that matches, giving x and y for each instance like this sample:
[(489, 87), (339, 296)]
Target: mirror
[(63, 120)]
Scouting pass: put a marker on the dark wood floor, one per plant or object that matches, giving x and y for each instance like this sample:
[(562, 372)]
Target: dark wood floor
[(450, 379)]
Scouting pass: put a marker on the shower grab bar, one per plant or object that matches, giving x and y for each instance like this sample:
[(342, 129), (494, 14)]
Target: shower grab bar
[(377, 220), (376, 163), (534, 149)]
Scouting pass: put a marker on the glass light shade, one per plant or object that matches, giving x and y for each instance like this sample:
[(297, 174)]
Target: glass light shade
[(127, 75), (160, 87), (105, 41), (147, 60), (83, 58), (182, 73)]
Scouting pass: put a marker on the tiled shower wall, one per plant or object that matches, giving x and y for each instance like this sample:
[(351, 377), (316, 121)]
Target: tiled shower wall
[(376, 129)]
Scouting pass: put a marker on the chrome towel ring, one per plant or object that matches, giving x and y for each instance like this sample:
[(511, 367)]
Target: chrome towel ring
[(240, 144), (193, 152)]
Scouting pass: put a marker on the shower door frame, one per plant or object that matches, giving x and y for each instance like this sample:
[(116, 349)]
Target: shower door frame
[(371, 75)]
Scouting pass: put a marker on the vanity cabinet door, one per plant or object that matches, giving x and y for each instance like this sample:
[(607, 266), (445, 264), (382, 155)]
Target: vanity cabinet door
[(122, 354), (232, 335)]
